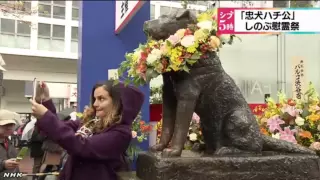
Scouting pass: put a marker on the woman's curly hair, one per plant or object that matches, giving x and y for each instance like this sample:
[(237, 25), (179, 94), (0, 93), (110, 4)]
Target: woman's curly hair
[(113, 117)]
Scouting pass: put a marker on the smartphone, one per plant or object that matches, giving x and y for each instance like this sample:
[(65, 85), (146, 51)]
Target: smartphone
[(35, 83), (23, 152)]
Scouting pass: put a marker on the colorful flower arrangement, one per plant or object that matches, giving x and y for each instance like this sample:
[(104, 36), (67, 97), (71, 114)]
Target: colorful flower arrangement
[(194, 137), (140, 132), (156, 95), (293, 120), (177, 53)]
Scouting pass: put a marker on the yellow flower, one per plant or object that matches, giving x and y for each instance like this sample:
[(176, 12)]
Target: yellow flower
[(175, 56), (193, 48), (201, 34), (174, 67), (313, 117), (152, 43), (282, 97), (313, 108), (204, 17), (136, 56)]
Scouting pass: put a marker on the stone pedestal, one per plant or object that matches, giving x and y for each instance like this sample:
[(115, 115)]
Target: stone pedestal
[(127, 176), (193, 166)]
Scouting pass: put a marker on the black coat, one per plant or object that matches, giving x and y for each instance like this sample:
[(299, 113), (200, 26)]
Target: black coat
[(35, 144)]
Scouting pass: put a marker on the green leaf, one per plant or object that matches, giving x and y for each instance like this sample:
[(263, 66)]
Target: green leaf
[(191, 61), (168, 43), (115, 82), (128, 56), (151, 74), (186, 69), (195, 56), (127, 81)]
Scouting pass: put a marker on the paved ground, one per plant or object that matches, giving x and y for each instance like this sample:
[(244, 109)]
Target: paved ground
[(26, 167)]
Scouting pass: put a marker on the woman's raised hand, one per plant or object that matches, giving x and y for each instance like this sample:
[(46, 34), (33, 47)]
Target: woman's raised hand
[(42, 92)]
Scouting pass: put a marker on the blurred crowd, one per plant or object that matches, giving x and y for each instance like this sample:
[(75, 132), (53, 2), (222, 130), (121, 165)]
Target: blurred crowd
[(46, 155)]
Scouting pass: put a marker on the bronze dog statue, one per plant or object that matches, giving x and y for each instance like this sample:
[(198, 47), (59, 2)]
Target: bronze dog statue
[(227, 123)]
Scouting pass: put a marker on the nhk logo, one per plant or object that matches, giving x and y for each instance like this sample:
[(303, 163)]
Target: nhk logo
[(12, 175)]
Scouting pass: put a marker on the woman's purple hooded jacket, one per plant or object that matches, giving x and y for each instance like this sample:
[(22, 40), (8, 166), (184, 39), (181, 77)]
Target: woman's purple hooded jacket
[(100, 156)]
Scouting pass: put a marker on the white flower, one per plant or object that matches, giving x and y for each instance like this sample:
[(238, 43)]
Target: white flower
[(157, 52), (315, 146), (188, 41), (151, 58), (205, 25), (180, 33), (193, 137), (299, 121), (277, 136), (138, 54), (134, 134), (154, 56)]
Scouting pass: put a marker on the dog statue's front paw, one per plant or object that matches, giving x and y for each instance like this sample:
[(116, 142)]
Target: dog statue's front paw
[(157, 147), (170, 152)]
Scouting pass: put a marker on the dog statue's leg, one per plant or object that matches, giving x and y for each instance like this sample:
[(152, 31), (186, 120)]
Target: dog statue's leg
[(169, 107), (242, 134), (187, 94)]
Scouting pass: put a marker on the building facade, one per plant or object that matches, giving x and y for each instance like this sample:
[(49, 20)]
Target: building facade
[(42, 43)]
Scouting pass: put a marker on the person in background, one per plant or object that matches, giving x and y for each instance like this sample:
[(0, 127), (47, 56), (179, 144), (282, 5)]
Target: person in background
[(8, 152), (36, 152), (98, 151), (49, 146)]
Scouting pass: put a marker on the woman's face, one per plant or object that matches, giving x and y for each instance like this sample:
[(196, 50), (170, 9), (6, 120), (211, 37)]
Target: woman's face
[(7, 130), (103, 102)]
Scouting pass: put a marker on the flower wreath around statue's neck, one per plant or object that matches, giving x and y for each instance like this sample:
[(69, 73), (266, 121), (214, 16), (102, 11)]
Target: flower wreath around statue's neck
[(177, 53)]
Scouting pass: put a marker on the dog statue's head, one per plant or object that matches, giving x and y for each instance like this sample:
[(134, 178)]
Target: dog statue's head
[(167, 25)]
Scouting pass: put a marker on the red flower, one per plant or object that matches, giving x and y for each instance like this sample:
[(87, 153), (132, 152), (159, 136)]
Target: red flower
[(188, 32), (144, 56), (291, 102), (142, 68)]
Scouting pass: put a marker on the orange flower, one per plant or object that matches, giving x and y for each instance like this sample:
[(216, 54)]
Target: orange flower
[(305, 134), (264, 131)]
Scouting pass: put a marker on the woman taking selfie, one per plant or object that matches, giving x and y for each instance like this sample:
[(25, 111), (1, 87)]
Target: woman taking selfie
[(97, 143)]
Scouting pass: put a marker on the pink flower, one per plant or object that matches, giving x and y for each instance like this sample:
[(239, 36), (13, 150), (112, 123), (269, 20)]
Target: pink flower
[(196, 118), (288, 135), (134, 134), (291, 110), (274, 123), (173, 39)]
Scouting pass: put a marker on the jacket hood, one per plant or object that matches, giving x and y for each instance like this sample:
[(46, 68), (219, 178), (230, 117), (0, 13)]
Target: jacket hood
[(132, 99)]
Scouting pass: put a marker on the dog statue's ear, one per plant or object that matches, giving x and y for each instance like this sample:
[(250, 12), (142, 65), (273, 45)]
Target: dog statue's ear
[(183, 14)]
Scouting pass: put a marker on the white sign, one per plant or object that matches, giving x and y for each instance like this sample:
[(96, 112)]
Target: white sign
[(113, 74), (299, 84), (276, 21), (125, 10), (73, 91)]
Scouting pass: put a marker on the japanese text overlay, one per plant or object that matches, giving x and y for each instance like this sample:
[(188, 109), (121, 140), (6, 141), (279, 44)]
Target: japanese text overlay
[(243, 21)]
